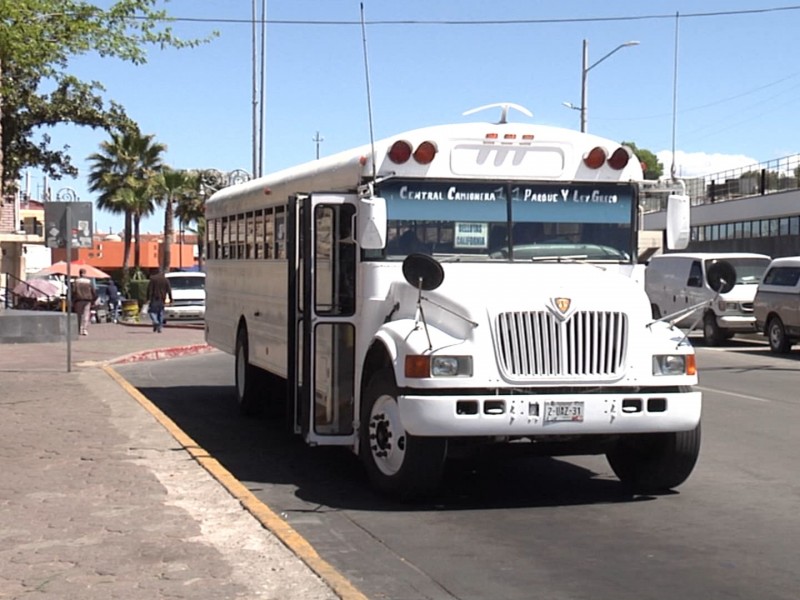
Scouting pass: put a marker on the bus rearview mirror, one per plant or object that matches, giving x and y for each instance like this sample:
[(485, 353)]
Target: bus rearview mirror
[(372, 223), (678, 221)]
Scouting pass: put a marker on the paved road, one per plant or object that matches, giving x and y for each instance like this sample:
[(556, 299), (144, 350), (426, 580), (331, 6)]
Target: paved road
[(535, 528)]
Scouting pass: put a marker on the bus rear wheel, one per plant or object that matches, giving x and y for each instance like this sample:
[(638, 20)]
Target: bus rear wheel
[(247, 379), (655, 462), (398, 464)]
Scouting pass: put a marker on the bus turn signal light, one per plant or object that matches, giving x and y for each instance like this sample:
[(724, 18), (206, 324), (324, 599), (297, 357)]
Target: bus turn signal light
[(418, 365)]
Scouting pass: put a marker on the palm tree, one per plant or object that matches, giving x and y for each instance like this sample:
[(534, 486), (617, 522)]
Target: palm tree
[(192, 208), (139, 203), (172, 185), (128, 161)]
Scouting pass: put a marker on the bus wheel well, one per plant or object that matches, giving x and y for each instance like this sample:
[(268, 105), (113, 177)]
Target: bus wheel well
[(377, 358), (241, 327)]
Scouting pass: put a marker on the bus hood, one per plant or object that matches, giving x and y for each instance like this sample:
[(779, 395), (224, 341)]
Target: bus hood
[(471, 290)]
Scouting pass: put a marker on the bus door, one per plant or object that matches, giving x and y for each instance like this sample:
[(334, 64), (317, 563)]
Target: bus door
[(322, 290)]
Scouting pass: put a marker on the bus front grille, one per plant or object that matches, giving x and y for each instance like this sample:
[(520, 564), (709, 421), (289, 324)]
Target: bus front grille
[(538, 344)]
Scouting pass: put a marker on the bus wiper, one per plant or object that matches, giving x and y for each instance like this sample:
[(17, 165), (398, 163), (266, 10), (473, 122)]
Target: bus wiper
[(570, 258)]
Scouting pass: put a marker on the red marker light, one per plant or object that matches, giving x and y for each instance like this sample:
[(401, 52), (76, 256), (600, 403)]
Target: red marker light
[(619, 159), (400, 152), (425, 153), (596, 158)]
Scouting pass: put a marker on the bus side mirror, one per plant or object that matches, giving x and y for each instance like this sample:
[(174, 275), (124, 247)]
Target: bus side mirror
[(372, 223), (678, 221)]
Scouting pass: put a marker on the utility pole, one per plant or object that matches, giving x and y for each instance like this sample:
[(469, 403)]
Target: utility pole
[(317, 140)]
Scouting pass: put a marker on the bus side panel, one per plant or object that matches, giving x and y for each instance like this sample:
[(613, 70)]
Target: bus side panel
[(253, 291)]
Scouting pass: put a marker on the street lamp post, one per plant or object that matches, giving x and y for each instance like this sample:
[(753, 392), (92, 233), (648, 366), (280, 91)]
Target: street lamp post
[(585, 68)]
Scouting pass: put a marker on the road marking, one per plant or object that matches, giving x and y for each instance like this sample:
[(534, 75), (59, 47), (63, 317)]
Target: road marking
[(744, 396), (301, 547)]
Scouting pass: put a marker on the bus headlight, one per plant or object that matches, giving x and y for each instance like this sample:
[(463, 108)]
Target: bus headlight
[(674, 364), (423, 366)]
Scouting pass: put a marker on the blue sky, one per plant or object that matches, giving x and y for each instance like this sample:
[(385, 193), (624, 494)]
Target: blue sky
[(738, 79)]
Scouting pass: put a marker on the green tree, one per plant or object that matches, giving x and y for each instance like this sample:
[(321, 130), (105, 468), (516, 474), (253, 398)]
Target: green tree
[(37, 40), (171, 185), (129, 161), (191, 209), (139, 203), (652, 167)]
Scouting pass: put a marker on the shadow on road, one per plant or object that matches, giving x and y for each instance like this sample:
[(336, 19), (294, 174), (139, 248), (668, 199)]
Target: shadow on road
[(261, 453)]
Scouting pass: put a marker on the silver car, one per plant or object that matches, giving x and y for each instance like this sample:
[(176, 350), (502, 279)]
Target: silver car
[(777, 304)]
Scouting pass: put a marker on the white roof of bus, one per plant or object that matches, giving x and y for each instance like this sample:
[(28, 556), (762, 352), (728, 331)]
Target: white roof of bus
[(345, 170)]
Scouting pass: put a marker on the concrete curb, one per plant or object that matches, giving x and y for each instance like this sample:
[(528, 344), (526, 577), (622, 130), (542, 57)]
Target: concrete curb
[(162, 353), (283, 531)]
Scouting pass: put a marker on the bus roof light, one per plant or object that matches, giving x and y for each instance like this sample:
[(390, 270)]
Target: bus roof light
[(619, 159), (491, 136), (425, 153), (595, 158), (400, 152)]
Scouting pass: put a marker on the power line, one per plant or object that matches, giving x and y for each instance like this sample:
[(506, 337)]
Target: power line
[(472, 22)]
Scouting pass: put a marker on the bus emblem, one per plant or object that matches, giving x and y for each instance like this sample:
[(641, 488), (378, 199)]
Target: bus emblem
[(562, 304)]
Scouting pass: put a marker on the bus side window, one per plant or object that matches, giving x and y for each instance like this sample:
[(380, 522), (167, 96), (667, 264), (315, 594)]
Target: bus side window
[(225, 237), (280, 232), (335, 260), (269, 234)]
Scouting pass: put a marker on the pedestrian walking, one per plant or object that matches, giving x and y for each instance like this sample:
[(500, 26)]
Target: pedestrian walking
[(159, 292), (113, 300), (84, 296)]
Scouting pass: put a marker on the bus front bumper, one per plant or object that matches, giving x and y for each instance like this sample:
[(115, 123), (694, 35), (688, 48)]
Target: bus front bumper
[(549, 414)]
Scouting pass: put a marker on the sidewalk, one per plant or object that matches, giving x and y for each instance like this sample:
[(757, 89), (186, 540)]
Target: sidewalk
[(98, 500)]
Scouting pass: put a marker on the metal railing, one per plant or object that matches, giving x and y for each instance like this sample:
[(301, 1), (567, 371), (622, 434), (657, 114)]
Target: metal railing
[(758, 179), (12, 299)]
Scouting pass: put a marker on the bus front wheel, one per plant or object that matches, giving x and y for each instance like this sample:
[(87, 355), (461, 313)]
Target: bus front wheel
[(247, 378), (655, 462), (398, 464)]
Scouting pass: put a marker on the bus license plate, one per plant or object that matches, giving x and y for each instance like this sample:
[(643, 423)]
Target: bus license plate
[(563, 411)]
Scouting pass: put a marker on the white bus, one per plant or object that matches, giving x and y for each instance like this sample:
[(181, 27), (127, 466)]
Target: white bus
[(451, 287)]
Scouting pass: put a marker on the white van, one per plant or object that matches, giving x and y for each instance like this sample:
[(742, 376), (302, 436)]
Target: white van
[(674, 282), (188, 296)]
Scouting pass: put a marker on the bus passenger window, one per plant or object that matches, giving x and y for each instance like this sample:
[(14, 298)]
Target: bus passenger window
[(280, 233), (269, 234), (225, 237), (335, 260)]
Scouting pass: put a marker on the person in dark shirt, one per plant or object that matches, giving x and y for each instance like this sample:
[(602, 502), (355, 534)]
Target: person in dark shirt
[(159, 292), (113, 300)]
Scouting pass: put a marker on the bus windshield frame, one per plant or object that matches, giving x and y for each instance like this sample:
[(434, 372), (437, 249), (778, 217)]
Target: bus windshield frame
[(509, 220)]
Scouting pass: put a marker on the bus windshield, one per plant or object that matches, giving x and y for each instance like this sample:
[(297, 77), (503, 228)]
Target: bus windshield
[(471, 220)]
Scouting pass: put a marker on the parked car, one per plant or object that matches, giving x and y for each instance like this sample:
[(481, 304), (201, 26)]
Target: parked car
[(777, 304), (677, 281), (188, 296)]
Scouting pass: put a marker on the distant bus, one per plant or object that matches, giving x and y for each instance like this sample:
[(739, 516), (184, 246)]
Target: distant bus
[(452, 287)]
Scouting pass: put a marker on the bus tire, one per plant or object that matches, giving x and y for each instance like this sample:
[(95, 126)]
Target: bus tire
[(655, 462), (398, 464), (247, 379)]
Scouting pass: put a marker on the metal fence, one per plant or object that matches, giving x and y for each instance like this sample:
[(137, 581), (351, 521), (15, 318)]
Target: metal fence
[(759, 179)]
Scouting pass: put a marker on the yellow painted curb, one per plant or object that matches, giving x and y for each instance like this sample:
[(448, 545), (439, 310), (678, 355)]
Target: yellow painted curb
[(295, 542)]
